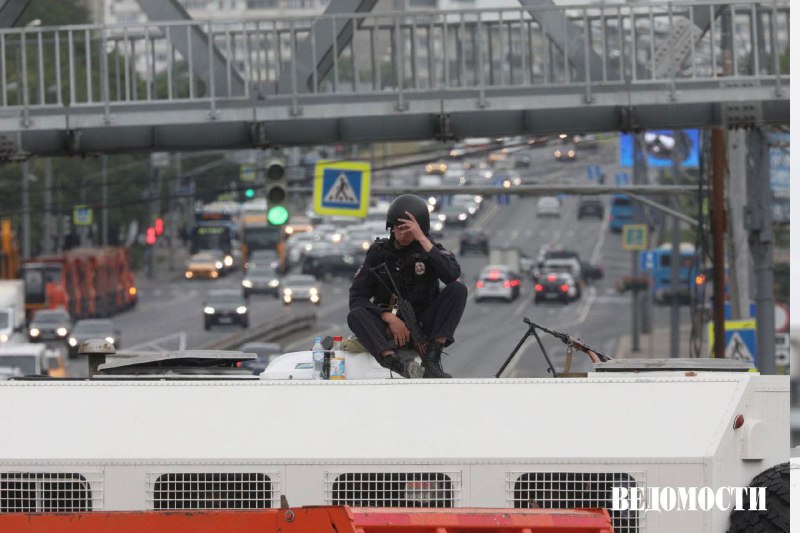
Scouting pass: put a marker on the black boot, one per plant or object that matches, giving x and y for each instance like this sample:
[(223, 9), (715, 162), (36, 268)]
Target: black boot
[(432, 362), (408, 369)]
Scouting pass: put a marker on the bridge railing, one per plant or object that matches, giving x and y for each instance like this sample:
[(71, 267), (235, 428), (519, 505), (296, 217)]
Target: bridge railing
[(671, 45)]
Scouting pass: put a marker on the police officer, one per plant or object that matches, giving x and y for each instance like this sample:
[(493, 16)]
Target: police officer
[(416, 265)]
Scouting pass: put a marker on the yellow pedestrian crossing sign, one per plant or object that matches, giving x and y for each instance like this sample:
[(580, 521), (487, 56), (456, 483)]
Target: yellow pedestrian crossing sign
[(634, 237), (342, 188)]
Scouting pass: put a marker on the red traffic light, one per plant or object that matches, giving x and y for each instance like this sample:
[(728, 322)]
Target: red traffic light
[(150, 237), (159, 226)]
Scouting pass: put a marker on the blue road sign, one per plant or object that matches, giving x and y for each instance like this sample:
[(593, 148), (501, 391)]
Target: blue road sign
[(500, 199), (621, 179), (647, 260), (593, 172)]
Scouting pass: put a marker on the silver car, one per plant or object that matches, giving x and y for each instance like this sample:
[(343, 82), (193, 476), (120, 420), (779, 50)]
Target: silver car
[(300, 287)]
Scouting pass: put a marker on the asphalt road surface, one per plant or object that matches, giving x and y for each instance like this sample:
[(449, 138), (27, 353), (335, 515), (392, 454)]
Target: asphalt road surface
[(488, 331)]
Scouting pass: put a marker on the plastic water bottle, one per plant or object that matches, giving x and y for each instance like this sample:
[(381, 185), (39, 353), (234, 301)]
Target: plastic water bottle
[(337, 359), (318, 354)]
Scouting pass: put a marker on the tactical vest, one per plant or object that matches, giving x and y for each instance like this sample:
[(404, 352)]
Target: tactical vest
[(412, 272)]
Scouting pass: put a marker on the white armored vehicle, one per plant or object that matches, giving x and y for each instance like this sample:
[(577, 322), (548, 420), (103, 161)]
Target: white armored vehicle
[(142, 437)]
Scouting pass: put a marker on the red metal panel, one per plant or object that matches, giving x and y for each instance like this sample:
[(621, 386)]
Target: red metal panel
[(316, 520)]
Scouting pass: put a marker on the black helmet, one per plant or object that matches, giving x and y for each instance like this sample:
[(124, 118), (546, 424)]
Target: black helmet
[(414, 205)]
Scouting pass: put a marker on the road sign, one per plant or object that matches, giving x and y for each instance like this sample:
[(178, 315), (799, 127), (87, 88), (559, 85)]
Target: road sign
[(500, 199), (647, 260), (82, 215), (341, 188), (740, 340), (621, 179), (247, 172), (634, 237), (781, 317), (593, 172), (782, 347)]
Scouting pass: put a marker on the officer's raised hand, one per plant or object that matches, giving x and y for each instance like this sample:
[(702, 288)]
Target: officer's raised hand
[(409, 231)]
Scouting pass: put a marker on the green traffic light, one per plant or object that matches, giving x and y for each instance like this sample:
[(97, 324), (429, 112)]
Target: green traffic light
[(249, 193), (277, 215)]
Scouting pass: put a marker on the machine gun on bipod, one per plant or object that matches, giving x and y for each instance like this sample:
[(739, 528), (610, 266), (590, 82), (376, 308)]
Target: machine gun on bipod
[(596, 356)]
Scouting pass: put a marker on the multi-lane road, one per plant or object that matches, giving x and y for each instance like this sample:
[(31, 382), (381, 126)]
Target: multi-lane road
[(488, 331)]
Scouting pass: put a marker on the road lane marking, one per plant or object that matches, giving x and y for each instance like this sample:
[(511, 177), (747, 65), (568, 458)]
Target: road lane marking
[(598, 247)]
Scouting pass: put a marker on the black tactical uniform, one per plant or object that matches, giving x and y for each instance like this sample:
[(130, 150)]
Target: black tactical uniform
[(417, 274)]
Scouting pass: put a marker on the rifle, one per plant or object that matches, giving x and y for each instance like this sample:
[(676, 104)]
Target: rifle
[(404, 310), (596, 356)]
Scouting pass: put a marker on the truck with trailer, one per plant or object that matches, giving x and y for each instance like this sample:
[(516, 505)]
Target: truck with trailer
[(12, 310), (153, 438), (87, 282)]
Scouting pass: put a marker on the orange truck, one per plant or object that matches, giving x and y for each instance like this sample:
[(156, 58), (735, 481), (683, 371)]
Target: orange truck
[(87, 282)]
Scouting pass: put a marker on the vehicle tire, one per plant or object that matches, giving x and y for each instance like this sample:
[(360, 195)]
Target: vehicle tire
[(460, 251), (477, 300), (776, 517), (207, 325), (486, 251), (246, 294), (245, 324)]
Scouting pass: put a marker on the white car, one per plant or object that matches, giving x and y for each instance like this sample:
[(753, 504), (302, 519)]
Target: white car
[(497, 281), (300, 287), (548, 206)]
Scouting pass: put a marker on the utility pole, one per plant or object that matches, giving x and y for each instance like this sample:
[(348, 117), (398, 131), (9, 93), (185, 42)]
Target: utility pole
[(675, 262), (758, 222), (26, 212), (718, 237), (738, 258), (639, 177), (674, 282), (47, 230)]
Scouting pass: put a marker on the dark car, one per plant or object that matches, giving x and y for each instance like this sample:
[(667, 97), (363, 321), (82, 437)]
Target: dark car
[(265, 352), (92, 329), (49, 324), (259, 258), (474, 240), (554, 286), (264, 279), (329, 264), (591, 206), (452, 215), (522, 161), (225, 306)]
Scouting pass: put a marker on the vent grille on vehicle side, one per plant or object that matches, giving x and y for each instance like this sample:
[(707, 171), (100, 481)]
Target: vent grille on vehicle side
[(210, 490), (572, 490), (394, 489), (50, 492)]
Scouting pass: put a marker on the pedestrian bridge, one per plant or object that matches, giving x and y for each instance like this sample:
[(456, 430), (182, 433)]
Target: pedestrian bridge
[(381, 76)]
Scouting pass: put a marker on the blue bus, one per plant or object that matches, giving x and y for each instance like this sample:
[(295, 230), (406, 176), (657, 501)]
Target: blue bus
[(620, 212), (658, 263)]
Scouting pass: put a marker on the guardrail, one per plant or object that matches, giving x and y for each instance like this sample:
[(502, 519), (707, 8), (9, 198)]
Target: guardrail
[(270, 331), (403, 53)]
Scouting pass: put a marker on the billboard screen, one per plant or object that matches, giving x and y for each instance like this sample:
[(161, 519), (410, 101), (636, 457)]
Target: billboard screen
[(662, 146)]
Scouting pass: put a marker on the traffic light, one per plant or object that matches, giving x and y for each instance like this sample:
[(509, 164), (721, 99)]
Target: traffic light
[(150, 236), (277, 213), (249, 193), (159, 226)]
